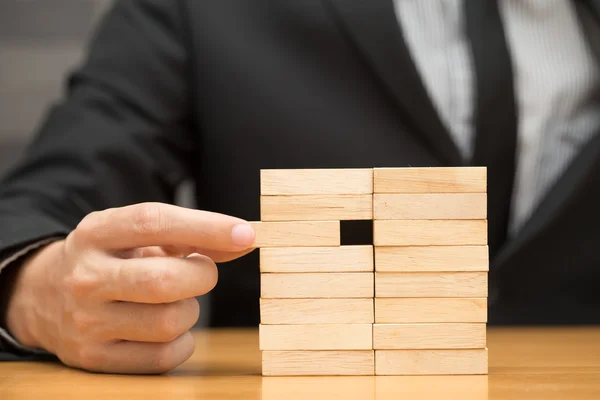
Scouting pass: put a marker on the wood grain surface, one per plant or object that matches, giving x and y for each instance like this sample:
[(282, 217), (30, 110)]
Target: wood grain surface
[(524, 364)]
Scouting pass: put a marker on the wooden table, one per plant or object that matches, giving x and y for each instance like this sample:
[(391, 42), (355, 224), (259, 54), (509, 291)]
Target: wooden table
[(542, 363)]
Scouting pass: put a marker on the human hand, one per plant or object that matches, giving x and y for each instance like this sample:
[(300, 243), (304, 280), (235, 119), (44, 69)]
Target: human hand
[(118, 294)]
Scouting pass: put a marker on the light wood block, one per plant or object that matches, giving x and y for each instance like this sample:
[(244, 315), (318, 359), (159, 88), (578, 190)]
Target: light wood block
[(431, 258), (317, 207), (431, 362), (298, 363), (296, 233), (429, 336), (430, 206), (431, 284), (317, 259), (316, 337), (316, 311), (317, 285), (316, 181), (441, 387), (311, 387), (430, 180), (416, 310), (430, 232)]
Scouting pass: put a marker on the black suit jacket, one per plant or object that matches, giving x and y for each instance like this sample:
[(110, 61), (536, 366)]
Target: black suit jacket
[(217, 90)]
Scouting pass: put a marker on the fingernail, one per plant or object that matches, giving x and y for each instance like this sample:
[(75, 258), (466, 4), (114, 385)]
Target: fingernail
[(242, 235)]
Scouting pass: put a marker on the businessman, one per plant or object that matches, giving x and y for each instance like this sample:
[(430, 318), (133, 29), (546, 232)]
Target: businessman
[(100, 270)]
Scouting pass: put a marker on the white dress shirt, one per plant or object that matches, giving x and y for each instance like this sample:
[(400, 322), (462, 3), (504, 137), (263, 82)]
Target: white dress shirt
[(556, 84)]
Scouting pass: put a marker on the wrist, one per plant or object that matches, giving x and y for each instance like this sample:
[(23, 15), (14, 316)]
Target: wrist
[(24, 314)]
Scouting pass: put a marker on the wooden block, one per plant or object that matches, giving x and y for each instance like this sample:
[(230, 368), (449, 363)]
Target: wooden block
[(317, 285), (430, 206), (430, 180), (431, 284), (317, 259), (296, 233), (337, 362), (430, 232), (440, 387), (431, 362), (431, 258), (316, 337), (316, 207), (403, 310), (316, 311), (317, 387), (316, 181), (429, 336)]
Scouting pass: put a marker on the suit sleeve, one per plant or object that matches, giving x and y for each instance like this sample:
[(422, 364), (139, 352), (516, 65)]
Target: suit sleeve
[(120, 136)]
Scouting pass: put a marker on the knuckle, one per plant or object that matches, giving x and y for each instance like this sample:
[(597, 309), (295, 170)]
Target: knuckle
[(83, 322), (211, 275), (148, 219), (168, 326), (190, 312), (78, 285), (89, 226), (165, 358), (206, 273), (89, 358), (81, 282), (160, 282), (193, 307)]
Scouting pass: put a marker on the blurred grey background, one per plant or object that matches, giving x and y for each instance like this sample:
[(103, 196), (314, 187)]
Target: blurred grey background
[(41, 41)]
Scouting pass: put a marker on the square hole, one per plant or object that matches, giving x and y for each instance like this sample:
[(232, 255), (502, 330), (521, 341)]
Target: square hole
[(354, 233)]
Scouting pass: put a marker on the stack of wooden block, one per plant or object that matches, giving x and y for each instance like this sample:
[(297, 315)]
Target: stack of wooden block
[(317, 297), (412, 302), (431, 263)]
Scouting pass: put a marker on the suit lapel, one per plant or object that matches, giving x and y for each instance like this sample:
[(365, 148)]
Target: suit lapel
[(588, 12), (374, 28), (594, 6), (580, 177)]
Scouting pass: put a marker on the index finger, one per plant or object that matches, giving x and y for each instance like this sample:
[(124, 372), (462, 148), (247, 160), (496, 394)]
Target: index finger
[(158, 224)]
